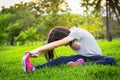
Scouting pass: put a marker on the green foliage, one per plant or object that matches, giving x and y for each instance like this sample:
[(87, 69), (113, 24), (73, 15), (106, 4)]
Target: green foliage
[(26, 36), (44, 15), (15, 22), (4, 21), (11, 69), (24, 15), (4, 18)]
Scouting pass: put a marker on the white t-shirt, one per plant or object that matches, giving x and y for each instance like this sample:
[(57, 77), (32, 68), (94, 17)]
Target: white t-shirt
[(88, 45)]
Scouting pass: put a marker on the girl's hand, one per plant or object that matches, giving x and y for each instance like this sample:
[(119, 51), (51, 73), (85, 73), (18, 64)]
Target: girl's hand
[(33, 53)]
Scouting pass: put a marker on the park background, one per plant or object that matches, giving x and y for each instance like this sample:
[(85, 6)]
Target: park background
[(25, 25)]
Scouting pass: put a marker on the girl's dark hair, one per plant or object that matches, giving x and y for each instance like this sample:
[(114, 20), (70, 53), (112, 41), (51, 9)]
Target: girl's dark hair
[(55, 34)]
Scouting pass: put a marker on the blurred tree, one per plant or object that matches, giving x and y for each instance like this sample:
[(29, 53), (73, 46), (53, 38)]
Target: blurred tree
[(12, 30), (26, 15), (26, 36), (43, 15), (5, 19), (49, 6), (111, 5), (20, 20)]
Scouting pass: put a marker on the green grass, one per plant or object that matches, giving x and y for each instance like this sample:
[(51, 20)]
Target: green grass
[(10, 65)]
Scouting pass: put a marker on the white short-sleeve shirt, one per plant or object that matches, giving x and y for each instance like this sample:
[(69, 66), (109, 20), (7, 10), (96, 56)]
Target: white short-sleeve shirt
[(88, 44)]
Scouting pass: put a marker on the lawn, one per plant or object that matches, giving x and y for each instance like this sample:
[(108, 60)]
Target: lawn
[(10, 64)]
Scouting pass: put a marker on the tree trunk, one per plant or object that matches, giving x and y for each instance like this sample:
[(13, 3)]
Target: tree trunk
[(12, 40), (109, 27)]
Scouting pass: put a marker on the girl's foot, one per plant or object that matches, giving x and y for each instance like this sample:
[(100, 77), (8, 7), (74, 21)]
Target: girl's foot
[(76, 63), (26, 64)]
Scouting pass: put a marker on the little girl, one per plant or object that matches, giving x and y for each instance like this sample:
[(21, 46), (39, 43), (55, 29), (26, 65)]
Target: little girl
[(80, 40)]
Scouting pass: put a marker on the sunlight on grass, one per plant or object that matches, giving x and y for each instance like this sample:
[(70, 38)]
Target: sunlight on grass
[(10, 61)]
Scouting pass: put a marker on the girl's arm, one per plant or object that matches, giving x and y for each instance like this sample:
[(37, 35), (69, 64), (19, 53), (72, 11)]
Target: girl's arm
[(51, 45)]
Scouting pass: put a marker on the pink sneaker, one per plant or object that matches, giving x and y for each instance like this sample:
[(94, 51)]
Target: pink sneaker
[(26, 64), (76, 63)]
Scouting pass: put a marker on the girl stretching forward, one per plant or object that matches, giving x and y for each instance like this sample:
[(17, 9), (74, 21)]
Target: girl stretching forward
[(80, 40)]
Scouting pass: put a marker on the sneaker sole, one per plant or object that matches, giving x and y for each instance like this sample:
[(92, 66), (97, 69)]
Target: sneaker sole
[(24, 62)]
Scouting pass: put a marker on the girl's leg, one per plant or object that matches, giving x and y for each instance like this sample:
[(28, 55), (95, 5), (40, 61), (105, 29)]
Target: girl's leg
[(61, 60), (104, 60)]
